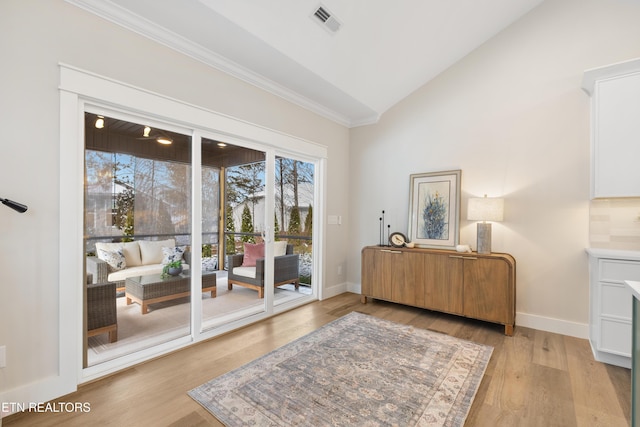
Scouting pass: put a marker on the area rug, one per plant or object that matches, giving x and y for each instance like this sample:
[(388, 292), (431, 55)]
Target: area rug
[(355, 371)]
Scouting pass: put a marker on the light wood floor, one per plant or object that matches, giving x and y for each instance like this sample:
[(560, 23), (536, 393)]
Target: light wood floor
[(534, 378)]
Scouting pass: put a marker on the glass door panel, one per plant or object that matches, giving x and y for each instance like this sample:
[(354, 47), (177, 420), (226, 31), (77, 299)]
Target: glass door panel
[(294, 198), (137, 224), (232, 232)]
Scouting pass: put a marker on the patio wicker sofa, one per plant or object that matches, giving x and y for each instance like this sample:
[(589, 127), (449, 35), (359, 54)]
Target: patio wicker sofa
[(115, 262), (286, 269)]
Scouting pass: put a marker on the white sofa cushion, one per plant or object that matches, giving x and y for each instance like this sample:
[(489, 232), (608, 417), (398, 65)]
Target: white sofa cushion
[(131, 251), (245, 272), (151, 250), (141, 270)]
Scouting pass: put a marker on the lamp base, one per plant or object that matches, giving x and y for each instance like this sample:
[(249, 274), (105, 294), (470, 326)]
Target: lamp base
[(484, 237)]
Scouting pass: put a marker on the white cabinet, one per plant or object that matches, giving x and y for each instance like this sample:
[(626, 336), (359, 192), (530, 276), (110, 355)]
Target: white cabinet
[(610, 317), (615, 129)]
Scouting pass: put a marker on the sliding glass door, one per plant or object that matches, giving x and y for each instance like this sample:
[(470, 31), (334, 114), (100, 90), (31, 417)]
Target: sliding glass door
[(156, 195), (233, 243), (137, 223), (293, 201)]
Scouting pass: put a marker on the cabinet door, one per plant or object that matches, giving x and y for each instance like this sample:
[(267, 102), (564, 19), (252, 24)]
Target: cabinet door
[(443, 283), (411, 290), (487, 290), (381, 270), (616, 135)]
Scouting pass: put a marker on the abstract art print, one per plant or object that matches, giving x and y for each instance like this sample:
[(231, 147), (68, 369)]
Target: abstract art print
[(434, 209)]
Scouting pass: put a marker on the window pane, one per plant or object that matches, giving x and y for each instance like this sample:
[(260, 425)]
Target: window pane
[(137, 220)]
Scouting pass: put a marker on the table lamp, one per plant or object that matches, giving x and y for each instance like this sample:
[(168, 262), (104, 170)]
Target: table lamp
[(485, 209)]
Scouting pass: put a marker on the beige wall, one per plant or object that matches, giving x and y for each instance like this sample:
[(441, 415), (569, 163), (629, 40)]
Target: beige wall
[(512, 116), (36, 36)]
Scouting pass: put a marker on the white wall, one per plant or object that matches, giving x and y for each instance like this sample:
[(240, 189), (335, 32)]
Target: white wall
[(36, 36), (511, 115)]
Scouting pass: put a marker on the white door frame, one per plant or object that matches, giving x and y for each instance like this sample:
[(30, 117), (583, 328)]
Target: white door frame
[(79, 87)]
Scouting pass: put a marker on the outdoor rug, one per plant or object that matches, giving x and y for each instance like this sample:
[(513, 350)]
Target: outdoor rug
[(355, 371)]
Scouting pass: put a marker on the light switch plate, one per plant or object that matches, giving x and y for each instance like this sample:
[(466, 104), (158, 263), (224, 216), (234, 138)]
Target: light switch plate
[(3, 356)]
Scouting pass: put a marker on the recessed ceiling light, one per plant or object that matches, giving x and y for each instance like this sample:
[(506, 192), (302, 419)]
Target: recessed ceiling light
[(100, 122), (221, 144), (164, 140)]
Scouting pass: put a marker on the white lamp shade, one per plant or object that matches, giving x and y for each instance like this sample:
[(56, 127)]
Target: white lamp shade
[(485, 209)]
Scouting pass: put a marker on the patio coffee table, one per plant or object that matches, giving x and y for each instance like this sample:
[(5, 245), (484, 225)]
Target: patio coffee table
[(153, 288)]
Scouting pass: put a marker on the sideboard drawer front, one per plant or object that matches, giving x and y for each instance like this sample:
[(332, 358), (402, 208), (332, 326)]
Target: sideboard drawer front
[(619, 271), (615, 337), (616, 300)]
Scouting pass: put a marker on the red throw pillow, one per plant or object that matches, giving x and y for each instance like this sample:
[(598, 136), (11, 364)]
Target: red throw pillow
[(251, 253)]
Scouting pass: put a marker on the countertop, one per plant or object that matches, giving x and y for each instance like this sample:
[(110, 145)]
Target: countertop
[(614, 254)]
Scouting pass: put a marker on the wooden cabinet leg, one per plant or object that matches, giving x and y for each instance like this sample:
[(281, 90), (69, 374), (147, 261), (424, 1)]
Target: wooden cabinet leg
[(508, 330), (363, 299)]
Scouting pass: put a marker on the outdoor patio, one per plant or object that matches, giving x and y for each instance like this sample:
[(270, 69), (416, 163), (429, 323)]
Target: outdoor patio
[(169, 320)]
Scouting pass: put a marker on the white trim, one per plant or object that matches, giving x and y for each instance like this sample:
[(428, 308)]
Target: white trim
[(139, 25), (269, 209), (618, 69), (196, 233), (80, 89), (109, 91), (319, 229), (338, 289), (549, 324)]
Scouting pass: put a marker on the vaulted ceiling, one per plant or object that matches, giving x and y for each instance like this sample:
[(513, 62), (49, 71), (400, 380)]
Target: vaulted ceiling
[(381, 51)]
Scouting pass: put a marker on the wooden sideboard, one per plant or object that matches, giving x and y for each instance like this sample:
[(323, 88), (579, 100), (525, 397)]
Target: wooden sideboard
[(466, 284)]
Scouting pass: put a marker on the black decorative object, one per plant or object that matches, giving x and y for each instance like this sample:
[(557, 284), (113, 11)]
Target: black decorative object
[(383, 241), (18, 207)]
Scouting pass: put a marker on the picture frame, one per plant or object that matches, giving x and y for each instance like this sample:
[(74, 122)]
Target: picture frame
[(434, 209)]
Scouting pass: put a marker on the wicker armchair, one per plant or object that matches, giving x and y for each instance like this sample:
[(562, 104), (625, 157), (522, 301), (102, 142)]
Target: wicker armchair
[(286, 270), (99, 270), (101, 310)]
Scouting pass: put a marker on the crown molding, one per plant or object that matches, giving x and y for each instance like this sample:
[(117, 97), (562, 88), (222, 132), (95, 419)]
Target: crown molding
[(142, 26)]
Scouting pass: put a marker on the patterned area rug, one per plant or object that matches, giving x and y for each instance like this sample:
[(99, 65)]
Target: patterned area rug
[(355, 371)]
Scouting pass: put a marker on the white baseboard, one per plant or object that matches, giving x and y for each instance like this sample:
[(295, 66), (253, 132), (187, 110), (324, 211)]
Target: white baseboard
[(334, 290), (558, 326)]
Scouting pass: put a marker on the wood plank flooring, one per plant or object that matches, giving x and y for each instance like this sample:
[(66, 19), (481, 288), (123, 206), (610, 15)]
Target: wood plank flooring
[(534, 378)]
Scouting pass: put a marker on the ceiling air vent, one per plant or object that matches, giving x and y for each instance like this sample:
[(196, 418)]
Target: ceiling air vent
[(326, 19)]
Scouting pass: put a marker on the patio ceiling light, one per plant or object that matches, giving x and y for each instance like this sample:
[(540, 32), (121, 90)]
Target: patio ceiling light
[(100, 122), (164, 140), (146, 132)]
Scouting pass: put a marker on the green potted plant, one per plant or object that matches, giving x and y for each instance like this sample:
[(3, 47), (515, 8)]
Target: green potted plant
[(172, 269)]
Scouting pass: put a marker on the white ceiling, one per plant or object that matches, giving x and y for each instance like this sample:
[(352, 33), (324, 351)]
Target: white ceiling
[(382, 52)]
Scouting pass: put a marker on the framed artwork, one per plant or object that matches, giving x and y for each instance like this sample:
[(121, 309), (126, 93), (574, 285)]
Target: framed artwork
[(434, 209)]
